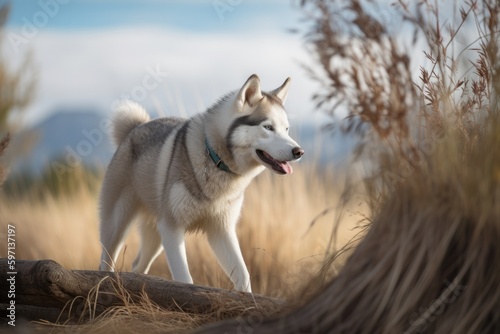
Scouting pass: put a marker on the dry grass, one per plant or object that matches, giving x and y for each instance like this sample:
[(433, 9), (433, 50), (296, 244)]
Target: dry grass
[(428, 261), (4, 143), (278, 244), (143, 315), (282, 250)]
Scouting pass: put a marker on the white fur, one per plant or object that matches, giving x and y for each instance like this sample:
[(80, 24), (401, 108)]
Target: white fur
[(127, 116), (138, 185)]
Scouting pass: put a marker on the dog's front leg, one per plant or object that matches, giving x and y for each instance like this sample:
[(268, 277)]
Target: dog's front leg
[(173, 242), (224, 243)]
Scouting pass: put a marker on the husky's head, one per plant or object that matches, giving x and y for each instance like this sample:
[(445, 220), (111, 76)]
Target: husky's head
[(259, 128)]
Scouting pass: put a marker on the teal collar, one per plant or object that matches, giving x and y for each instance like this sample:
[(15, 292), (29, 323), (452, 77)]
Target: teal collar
[(216, 159)]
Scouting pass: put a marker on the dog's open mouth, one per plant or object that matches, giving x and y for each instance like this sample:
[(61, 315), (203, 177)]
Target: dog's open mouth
[(281, 167)]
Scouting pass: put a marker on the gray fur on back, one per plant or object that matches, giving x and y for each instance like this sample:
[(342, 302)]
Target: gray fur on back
[(149, 137), (135, 162)]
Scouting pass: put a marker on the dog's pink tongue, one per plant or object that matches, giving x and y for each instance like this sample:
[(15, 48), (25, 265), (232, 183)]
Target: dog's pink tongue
[(287, 168)]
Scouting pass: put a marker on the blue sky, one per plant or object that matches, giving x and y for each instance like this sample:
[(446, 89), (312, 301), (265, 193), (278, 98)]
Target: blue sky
[(203, 15), (88, 54)]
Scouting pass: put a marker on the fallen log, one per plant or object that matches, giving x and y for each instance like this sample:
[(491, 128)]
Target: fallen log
[(44, 290)]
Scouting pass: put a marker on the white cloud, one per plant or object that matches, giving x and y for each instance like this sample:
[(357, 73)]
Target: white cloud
[(92, 68)]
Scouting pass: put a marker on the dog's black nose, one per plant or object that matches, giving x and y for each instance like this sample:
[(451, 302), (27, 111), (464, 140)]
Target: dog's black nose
[(297, 152)]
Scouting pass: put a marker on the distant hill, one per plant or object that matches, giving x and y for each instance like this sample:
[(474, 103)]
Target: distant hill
[(73, 137), (70, 138)]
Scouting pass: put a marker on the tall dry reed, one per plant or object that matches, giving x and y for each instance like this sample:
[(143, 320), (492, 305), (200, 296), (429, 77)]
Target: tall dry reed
[(429, 261)]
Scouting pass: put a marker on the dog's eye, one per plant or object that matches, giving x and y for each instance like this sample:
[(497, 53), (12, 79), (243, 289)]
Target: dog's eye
[(269, 127)]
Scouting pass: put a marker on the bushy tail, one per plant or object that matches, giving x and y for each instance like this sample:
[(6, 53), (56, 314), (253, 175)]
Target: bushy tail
[(127, 116)]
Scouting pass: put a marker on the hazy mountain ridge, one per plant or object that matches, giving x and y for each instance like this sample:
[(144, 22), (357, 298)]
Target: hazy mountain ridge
[(68, 138)]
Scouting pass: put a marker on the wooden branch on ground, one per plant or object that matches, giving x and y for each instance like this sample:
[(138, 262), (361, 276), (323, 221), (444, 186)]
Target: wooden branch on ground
[(44, 290)]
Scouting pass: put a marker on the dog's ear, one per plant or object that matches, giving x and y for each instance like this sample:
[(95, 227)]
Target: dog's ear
[(250, 93), (282, 92)]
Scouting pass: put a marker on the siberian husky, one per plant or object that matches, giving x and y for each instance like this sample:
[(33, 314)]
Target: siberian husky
[(180, 175)]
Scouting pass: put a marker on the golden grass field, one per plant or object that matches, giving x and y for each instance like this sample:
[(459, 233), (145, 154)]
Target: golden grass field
[(431, 194), (280, 247)]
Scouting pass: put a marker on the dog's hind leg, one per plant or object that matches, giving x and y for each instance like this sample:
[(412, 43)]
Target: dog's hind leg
[(116, 220), (174, 244), (151, 247)]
